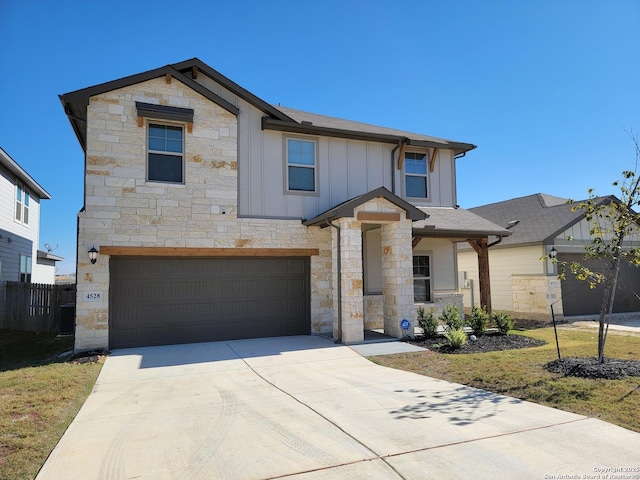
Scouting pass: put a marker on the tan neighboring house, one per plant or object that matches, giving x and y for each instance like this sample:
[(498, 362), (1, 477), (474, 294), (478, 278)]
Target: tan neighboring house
[(218, 216), (20, 258), (525, 285)]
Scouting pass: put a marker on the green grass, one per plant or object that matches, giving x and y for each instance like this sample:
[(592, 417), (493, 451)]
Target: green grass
[(40, 395), (521, 374)]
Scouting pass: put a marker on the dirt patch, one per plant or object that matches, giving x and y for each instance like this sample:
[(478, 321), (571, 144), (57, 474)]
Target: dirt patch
[(486, 343), (611, 369)]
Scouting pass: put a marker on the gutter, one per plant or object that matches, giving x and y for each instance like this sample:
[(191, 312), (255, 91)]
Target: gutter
[(339, 339)]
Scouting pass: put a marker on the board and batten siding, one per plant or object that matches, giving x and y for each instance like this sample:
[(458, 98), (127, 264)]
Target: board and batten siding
[(504, 263), (345, 169), (441, 252)]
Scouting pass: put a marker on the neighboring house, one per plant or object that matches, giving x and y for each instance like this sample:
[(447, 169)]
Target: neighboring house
[(522, 280), (20, 258), (217, 216)]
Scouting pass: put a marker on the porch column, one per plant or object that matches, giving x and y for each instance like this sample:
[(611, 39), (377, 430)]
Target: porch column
[(397, 277), (481, 247), (350, 276)]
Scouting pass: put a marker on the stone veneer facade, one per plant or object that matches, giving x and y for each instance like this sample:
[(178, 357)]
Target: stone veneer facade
[(531, 296), (123, 209)]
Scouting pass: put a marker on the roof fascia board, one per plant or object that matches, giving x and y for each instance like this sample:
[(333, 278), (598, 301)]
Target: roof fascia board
[(21, 174), (233, 87), (457, 147), (458, 233), (273, 124), (82, 97)]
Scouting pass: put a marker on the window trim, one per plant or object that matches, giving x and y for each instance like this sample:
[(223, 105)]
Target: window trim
[(426, 175), (21, 204), (316, 188), (28, 264), (153, 121), (430, 277)]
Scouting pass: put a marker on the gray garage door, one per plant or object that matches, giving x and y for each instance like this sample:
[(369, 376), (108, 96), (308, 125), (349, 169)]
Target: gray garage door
[(161, 301), (579, 299)]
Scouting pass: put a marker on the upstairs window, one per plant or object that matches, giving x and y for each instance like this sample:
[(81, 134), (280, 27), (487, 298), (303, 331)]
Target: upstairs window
[(165, 153), (22, 205), (301, 165), (415, 174), (421, 279), (25, 269)]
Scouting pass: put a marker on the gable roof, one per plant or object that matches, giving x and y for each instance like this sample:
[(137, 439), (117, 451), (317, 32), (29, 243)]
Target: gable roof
[(540, 218), (11, 165), (346, 209), (276, 118)]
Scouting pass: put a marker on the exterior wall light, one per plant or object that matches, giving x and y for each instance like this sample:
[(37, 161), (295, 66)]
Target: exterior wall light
[(93, 255), (553, 253)]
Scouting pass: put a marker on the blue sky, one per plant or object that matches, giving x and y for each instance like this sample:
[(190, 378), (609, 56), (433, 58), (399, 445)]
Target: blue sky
[(545, 88)]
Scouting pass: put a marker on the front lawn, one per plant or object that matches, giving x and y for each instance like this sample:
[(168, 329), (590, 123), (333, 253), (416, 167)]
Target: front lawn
[(40, 394), (521, 374)]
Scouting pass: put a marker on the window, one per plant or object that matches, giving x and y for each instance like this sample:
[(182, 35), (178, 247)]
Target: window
[(25, 269), (415, 174), (301, 165), (22, 205), (165, 151), (421, 278)]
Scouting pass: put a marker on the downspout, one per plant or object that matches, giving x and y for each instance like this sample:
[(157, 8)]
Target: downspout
[(339, 339), (393, 167), (496, 242)]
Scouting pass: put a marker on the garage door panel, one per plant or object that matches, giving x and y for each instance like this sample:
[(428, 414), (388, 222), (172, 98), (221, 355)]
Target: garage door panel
[(579, 299), (158, 301)]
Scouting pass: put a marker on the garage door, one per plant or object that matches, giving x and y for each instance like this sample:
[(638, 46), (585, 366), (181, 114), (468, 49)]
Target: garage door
[(161, 301), (579, 299)]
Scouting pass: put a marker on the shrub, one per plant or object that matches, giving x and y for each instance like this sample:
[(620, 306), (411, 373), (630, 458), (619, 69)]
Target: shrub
[(428, 323), (478, 320), (457, 337), (502, 321), (450, 316)]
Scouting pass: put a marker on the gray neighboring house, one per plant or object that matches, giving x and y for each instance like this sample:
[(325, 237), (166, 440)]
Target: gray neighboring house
[(521, 282), (20, 258)]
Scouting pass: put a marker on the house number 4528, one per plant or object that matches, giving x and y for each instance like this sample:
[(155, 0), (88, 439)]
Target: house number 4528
[(92, 296)]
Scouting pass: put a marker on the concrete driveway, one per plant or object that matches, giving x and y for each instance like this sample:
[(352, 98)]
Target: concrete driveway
[(303, 408)]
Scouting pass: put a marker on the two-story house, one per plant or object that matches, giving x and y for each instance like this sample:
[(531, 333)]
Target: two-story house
[(216, 216), (20, 258)]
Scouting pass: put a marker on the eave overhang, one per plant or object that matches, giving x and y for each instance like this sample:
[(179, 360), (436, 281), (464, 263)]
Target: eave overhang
[(12, 166), (75, 103), (295, 127)]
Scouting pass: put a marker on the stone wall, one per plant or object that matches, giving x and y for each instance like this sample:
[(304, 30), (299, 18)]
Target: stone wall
[(531, 297), (373, 312)]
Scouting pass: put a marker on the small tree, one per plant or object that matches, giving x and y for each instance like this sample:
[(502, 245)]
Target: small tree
[(612, 221)]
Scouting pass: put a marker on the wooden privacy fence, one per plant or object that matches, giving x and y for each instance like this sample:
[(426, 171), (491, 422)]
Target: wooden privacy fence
[(37, 307)]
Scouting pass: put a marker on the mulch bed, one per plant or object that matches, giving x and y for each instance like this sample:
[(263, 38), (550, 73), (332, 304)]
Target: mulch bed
[(611, 369), (489, 342)]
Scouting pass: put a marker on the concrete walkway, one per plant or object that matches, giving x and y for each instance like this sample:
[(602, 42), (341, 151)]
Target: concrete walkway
[(303, 408)]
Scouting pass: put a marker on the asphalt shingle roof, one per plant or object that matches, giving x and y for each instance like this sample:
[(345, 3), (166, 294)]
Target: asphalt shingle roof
[(457, 222), (539, 217)]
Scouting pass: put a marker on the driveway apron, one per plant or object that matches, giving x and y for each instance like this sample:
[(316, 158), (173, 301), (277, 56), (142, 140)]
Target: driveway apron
[(304, 408)]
